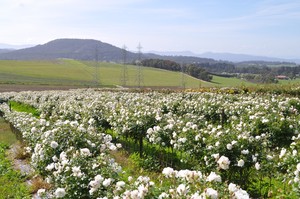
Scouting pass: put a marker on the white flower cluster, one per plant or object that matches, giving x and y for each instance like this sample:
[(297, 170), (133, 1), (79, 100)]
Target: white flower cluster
[(224, 133)]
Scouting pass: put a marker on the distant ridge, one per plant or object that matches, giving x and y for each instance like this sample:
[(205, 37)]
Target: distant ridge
[(5, 50), (229, 57), (86, 49), (241, 57), (81, 49)]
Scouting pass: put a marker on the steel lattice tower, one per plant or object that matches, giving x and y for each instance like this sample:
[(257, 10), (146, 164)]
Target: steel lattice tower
[(139, 76), (124, 75), (96, 76)]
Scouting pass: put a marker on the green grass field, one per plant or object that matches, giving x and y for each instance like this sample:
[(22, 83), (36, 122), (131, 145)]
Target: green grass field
[(6, 136), (230, 82), (72, 72), (67, 72), (290, 82)]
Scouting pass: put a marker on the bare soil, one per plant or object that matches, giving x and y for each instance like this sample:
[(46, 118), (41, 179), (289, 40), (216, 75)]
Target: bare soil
[(19, 88)]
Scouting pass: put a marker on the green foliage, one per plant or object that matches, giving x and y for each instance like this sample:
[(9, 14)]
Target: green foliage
[(21, 107), (81, 73), (149, 162), (12, 183), (6, 135)]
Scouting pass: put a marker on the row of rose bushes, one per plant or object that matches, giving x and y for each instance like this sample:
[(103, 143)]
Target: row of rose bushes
[(69, 149), (251, 140)]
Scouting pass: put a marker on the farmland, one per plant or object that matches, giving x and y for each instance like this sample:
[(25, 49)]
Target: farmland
[(183, 145), (83, 74), (65, 74)]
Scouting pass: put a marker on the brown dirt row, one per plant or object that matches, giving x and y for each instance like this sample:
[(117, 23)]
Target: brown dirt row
[(19, 88)]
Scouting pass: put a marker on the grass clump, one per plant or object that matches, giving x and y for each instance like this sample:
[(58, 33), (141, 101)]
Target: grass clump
[(21, 107), (11, 181), (6, 136)]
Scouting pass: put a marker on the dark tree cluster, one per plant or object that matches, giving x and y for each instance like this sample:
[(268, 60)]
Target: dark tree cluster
[(190, 69), (161, 63), (257, 72), (218, 67), (199, 73)]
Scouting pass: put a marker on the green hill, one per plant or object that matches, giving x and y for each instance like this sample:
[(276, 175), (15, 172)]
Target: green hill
[(81, 73), (87, 49)]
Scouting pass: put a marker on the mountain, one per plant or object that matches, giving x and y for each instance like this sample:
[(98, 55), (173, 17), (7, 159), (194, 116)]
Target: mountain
[(175, 53), (88, 49), (6, 50), (241, 57), (81, 49), (231, 57)]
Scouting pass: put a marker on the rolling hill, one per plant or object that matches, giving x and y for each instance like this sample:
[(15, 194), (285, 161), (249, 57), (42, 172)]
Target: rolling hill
[(86, 49), (68, 72), (81, 49), (5, 50)]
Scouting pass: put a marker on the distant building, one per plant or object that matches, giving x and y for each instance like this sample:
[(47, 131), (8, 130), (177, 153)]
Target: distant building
[(282, 77)]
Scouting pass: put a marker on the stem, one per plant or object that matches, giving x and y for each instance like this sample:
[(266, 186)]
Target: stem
[(141, 145)]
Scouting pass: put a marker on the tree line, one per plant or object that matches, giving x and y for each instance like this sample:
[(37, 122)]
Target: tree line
[(258, 73), (190, 69)]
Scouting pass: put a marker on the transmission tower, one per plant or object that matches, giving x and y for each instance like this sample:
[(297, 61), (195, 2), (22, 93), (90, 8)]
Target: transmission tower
[(139, 77), (124, 75), (96, 76), (183, 80)]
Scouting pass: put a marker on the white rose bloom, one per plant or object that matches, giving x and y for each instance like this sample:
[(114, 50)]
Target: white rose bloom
[(257, 166), (294, 152), (282, 152), (168, 172), (60, 192), (76, 171), (213, 194), (163, 195), (245, 152), (54, 158), (182, 189), (232, 187), (229, 146), (41, 192), (120, 185), (298, 166), (107, 182), (134, 194), (241, 163), (213, 177), (197, 196), (99, 178), (85, 152), (54, 144), (241, 194), (112, 147), (50, 167), (223, 162)]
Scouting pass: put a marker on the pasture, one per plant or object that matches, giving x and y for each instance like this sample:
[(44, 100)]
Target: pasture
[(66, 72)]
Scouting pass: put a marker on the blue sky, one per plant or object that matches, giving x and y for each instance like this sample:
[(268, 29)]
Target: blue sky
[(256, 27)]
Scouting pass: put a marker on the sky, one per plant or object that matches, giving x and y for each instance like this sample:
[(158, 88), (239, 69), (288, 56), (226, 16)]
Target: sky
[(256, 27)]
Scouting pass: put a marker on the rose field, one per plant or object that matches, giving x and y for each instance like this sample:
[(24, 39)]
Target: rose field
[(190, 145)]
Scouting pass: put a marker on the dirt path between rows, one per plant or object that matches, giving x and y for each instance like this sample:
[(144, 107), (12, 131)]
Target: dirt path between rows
[(18, 88)]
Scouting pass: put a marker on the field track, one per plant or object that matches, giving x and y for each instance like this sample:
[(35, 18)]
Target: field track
[(18, 88)]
